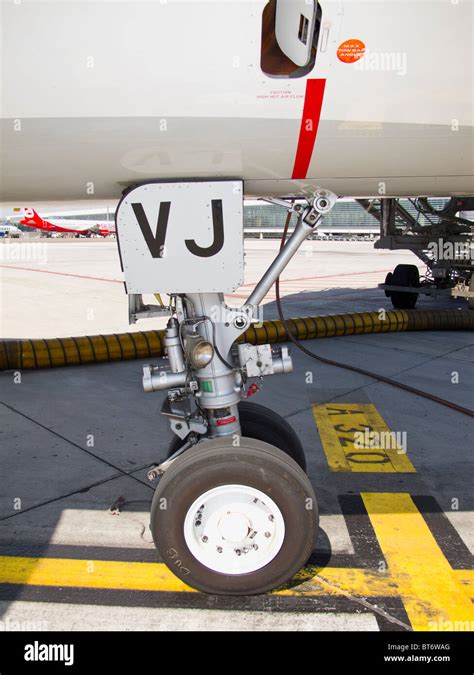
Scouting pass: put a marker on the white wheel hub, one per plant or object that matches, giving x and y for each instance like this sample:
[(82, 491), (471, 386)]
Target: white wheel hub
[(234, 529)]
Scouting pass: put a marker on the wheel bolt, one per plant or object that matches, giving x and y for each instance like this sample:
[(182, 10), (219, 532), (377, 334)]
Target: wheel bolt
[(267, 534), (219, 549), (255, 547), (238, 551), (204, 538), (271, 518)]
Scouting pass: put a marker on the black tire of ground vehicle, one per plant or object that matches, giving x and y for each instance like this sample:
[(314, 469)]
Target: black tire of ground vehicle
[(388, 281), (259, 465), (265, 425), (405, 275)]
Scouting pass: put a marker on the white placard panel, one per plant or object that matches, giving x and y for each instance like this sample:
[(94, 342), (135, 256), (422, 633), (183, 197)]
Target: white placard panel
[(182, 237)]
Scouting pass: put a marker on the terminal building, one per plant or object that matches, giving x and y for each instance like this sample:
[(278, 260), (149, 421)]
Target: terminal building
[(348, 219)]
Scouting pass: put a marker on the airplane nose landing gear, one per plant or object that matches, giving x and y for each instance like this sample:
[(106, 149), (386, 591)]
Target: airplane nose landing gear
[(233, 512)]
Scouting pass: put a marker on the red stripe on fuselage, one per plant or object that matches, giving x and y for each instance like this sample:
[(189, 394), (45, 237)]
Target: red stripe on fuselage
[(313, 102)]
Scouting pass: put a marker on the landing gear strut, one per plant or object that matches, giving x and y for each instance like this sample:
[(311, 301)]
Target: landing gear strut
[(233, 512)]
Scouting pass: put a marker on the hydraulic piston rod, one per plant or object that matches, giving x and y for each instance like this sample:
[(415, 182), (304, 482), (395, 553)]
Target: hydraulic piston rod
[(307, 221)]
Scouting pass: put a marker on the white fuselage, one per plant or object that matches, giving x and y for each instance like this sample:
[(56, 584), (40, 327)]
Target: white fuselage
[(98, 96), (75, 225), (9, 230)]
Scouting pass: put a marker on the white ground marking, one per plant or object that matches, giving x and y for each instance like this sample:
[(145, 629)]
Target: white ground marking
[(65, 617)]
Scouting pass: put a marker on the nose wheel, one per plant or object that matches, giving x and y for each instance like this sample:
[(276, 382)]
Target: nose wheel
[(234, 520)]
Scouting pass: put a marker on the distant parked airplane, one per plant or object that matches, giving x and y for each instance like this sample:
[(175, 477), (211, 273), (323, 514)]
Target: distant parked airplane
[(9, 231), (33, 219)]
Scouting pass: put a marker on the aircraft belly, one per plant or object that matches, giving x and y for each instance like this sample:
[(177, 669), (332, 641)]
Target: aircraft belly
[(98, 96), (99, 157)]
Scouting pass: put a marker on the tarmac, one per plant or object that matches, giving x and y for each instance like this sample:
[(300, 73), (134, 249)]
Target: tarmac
[(395, 545)]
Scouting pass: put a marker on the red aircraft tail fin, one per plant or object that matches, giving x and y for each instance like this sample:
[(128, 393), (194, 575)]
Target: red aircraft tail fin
[(30, 217)]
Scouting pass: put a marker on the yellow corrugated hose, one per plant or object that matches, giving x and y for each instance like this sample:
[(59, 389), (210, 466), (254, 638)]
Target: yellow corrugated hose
[(49, 353)]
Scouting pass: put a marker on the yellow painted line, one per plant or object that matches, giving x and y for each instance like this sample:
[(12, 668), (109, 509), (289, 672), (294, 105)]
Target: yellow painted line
[(140, 576), (137, 576), (343, 581), (356, 438), (361, 583), (431, 593), (157, 577), (466, 579)]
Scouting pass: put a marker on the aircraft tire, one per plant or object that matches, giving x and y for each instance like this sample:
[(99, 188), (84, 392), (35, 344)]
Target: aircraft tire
[(234, 520), (405, 275)]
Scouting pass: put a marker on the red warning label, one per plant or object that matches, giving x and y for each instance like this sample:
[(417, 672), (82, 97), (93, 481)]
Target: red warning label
[(351, 51)]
